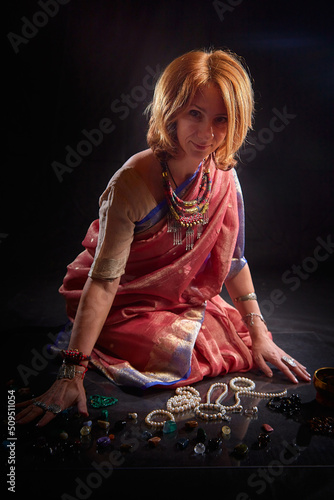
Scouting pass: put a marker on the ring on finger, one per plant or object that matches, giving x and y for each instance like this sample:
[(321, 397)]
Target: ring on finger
[(54, 408), (40, 404), (289, 361)]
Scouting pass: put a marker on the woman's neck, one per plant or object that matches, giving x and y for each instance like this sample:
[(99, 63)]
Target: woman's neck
[(182, 169)]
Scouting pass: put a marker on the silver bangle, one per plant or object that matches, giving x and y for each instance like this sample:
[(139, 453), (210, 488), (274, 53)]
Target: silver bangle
[(249, 296), (68, 371)]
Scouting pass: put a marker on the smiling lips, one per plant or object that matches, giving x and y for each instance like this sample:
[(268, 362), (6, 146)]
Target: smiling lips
[(200, 147)]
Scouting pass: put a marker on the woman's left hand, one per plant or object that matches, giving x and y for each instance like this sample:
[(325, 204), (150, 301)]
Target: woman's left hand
[(266, 351)]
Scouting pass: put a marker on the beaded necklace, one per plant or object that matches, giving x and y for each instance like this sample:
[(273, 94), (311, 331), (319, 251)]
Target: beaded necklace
[(187, 214)]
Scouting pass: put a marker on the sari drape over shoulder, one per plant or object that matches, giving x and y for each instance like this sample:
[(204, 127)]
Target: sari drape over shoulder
[(168, 325)]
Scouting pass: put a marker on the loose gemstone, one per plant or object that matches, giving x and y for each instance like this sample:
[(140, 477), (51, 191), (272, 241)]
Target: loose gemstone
[(182, 443), (263, 439), (240, 451), (201, 435), (89, 423), (146, 435), (199, 449), (119, 425), (103, 424), (85, 430), (226, 431), (63, 435), (267, 428), (111, 437), (154, 441), (133, 416), (103, 441), (191, 424), (169, 426)]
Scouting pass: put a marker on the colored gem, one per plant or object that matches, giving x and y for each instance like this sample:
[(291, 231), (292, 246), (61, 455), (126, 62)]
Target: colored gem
[(263, 439), (226, 431), (119, 425), (199, 449), (169, 426), (240, 451), (85, 430), (182, 443), (213, 444), (154, 441), (63, 435), (267, 428), (111, 437), (146, 435), (133, 416), (103, 441), (201, 435), (89, 423), (191, 424), (103, 424)]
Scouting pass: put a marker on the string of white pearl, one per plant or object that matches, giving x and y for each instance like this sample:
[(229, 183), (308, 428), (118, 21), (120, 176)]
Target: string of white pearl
[(188, 398), (241, 386), (152, 423)]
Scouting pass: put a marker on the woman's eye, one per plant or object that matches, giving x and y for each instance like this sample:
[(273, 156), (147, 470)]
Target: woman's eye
[(194, 112), (221, 120)]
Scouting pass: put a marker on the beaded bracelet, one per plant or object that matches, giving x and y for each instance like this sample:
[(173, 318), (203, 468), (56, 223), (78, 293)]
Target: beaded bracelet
[(74, 356)]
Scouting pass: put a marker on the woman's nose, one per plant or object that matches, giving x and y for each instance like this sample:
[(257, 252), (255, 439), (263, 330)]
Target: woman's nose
[(205, 132)]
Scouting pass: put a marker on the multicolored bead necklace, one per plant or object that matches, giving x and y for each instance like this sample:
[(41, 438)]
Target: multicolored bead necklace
[(190, 213)]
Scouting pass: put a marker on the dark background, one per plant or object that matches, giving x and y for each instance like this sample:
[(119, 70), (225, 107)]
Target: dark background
[(67, 75)]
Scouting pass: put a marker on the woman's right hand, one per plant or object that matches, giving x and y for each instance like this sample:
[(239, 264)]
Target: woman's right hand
[(64, 393)]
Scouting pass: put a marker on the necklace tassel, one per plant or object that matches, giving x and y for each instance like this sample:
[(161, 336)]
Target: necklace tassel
[(189, 238), (205, 219), (177, 235)]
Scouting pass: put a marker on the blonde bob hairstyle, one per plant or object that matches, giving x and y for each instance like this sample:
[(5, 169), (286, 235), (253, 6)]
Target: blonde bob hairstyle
[(176, 88)]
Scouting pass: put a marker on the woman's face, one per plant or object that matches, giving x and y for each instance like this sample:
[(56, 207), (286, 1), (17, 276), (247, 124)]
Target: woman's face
[(202, 125)]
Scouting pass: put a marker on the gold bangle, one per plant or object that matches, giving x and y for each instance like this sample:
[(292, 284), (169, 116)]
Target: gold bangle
[(249, 296)]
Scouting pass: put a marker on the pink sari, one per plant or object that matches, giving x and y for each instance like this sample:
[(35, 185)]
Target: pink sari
[(168, 324)]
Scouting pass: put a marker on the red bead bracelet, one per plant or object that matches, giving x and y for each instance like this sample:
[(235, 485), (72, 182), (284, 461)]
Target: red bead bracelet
[(74, 356)]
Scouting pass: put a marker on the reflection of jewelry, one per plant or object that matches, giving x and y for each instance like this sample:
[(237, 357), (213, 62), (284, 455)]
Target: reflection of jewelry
[(289, 361), (148, 418), (251, 315), (249, 296), (40, 404), (54, 408)]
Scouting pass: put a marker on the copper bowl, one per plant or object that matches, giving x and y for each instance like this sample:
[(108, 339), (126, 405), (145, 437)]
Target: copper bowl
[(323, 380)]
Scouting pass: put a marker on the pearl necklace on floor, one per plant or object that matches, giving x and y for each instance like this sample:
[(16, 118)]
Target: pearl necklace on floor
[(188, 398)]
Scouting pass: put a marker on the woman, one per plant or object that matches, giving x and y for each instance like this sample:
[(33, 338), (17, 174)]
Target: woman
[(144, 294)]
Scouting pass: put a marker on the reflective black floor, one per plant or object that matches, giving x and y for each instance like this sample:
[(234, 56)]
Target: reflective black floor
[(295, 461)]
